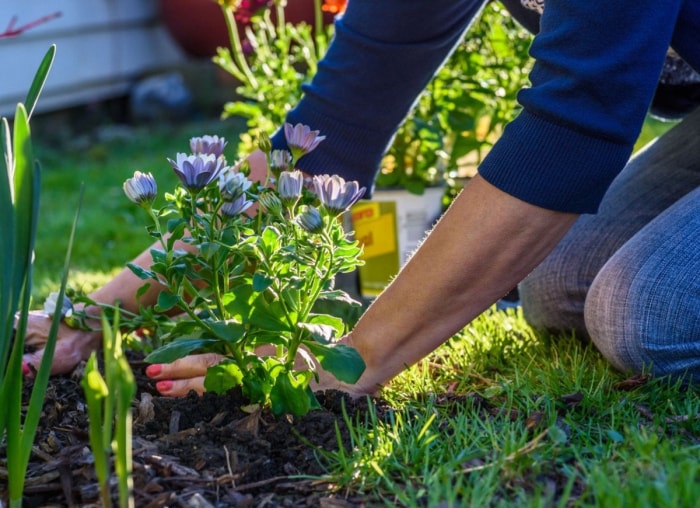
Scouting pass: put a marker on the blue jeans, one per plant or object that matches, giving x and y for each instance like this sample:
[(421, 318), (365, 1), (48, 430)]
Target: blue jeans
[(628, 277)]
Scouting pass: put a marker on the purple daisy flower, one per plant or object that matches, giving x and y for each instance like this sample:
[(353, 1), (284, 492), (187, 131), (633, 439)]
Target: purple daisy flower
[(301, 139), (208, 145), (336, 194), (197, 171)]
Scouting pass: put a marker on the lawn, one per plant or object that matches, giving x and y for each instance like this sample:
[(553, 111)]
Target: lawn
[(498, 416)]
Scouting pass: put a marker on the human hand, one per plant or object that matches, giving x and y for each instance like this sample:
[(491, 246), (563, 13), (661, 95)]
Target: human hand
[(72, 345), (187, 374)]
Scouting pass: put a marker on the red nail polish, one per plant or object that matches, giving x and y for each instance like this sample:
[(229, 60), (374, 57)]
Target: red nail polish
[(164, 386), (154, 370), (25, 368)]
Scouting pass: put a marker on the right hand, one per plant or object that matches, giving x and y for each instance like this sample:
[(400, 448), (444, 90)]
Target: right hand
[(72, 345)]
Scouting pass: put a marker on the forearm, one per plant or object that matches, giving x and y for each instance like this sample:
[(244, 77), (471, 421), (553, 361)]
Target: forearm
[(123, 287), (483, 246)]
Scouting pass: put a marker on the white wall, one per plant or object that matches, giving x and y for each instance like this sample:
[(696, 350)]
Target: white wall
[(103, 46)]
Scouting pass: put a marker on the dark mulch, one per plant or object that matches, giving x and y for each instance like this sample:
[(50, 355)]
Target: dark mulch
[(192, 452)]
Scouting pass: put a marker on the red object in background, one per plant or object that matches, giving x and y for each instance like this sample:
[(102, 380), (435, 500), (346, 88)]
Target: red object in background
[(199, 27), (334, 6)]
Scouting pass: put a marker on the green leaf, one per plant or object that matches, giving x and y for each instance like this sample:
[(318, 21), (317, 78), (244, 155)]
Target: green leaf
[(176, 227), (271, 240), (223, 377), (269, 316), (95, 392), (166, 301), (290, 395), (261, 282), (344, 362), (229, 331), (338, 295), (319, 332), (140, 272), (39, 79), (238, 302), (178, 349), (8, 298), (142, 291), (323, 327)]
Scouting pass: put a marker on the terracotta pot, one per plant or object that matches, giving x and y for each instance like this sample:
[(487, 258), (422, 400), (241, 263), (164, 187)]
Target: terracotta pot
[(198, 26)]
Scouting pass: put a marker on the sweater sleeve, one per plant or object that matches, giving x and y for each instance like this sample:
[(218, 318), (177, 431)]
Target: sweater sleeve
[(597, 66), (383, 55)]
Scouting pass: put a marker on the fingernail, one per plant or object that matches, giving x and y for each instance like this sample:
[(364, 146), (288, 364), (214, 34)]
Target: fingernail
[(154, 370), (164, 386), (25, 368)]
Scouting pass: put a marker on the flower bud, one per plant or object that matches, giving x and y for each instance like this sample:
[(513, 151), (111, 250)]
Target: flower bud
[(270, 203), (280, 161), (310, 219), (289, 186), (141, 188), (264, 143), (233, 184)]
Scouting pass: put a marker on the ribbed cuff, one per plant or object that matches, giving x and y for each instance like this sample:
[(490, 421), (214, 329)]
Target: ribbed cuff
[(553, 167)]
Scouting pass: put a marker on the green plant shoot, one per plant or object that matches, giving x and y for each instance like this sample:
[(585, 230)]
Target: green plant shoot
[(109, 410)]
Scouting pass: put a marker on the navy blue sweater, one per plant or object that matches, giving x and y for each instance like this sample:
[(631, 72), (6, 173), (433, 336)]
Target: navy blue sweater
[(597, 64)]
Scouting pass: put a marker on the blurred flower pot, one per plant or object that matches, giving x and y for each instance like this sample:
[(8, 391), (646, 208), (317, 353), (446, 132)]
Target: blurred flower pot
[(390, 226)]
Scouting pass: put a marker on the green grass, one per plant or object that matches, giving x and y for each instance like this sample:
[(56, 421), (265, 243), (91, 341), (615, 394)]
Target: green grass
[(498, 416), (502, 416)]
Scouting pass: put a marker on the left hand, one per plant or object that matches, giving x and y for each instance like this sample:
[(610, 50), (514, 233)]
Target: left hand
[(178, 378)]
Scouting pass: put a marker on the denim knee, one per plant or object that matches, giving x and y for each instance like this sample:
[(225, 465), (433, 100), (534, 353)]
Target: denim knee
[(643, 319), (552, 298)]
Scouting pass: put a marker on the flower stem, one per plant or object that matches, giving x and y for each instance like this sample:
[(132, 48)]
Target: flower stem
[(240, 69)]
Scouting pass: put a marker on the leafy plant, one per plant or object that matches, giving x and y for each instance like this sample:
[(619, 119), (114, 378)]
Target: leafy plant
[(464, 108), (279, 58), (108, 401), (248, 280), (19, 205)]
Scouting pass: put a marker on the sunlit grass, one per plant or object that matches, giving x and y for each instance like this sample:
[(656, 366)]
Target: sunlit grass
[(503, 416)]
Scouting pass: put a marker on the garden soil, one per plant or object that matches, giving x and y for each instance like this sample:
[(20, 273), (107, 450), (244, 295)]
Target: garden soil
[(195, 452)]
